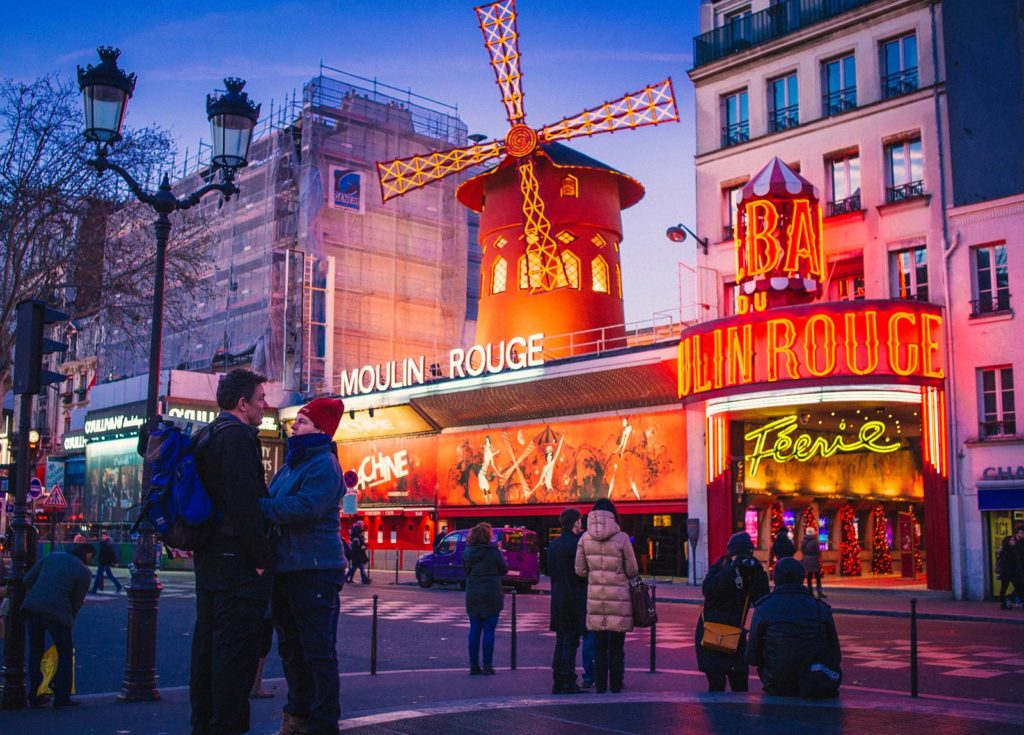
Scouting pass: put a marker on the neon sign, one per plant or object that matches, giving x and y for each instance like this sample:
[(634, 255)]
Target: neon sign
[(786, 447), (840, 339)]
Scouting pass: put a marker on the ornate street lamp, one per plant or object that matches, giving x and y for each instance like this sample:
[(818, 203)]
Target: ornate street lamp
[(106, 90)]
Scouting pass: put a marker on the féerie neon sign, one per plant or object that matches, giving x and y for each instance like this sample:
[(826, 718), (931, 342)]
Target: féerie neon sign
[(803, 447)]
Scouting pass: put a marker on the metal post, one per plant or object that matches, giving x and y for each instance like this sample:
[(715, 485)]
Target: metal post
[(913, 647), (513, 628), (373, 639), (398, 557), (13, 674), (654, 631)]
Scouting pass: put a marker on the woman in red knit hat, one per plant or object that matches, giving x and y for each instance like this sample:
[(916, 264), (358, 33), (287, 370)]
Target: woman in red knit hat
[(304, 504)]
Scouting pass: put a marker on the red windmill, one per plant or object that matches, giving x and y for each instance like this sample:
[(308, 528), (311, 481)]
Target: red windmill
[(532, 281)]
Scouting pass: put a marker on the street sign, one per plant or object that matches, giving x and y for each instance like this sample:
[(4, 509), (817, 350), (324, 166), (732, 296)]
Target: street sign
[(55, 500), (35, 488)]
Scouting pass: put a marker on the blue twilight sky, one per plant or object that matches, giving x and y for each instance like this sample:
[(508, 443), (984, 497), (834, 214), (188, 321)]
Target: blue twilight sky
[(575, 54)]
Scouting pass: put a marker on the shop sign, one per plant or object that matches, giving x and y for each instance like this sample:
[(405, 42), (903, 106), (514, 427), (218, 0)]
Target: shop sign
[(513, 354), (386, 421), (115, 423), (202, 414), (876, 339), (1003, 473), (73, 441)]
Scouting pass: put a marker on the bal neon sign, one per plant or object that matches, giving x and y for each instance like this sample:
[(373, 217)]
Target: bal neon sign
[(786, 447), (841, 339)]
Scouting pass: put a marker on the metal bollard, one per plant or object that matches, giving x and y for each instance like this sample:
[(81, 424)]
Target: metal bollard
[(913, 647), (398, 558), (513, 628), (654, 631), (373, 640)]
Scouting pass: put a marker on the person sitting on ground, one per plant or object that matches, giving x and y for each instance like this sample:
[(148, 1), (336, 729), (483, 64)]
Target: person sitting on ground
[(791, 632)]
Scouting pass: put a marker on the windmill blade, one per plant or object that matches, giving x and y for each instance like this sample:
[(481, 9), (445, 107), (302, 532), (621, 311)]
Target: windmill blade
[(501, 37), (544, 265), (652, 105), (404, 174)]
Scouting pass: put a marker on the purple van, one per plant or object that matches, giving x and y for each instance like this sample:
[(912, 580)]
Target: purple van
[(444, 564)]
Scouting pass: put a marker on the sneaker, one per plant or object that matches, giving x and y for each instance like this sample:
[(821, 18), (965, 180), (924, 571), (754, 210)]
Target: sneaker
[(292, 725), (475, 671), (587, 683), (573, 689), (489, 671)]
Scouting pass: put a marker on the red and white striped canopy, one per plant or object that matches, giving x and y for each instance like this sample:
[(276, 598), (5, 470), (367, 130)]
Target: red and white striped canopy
[(778, 180)]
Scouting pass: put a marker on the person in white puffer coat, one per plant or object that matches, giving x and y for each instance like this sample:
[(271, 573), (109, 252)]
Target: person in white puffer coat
[(605, 557)]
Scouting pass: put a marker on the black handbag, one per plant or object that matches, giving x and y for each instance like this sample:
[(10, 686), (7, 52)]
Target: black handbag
[(642, 599), (819, 678)]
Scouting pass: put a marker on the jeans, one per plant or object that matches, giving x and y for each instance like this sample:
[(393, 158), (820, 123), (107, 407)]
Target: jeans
[(305, 609), (225, 651), (588, 657), (478, 626), (363, 576), (38, 627), (563, 662), (102, 569), (609, 660), (810, 576)]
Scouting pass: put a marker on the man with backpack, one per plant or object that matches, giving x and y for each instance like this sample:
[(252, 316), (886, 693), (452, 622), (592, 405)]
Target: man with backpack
[(234, 564)]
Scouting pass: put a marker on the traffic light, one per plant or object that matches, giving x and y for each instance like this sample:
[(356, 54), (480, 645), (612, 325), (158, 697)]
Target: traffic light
[(30, 346)]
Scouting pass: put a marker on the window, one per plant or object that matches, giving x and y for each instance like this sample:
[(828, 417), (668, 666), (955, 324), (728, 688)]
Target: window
[(531, 272), (735, 119), (598, 241), (844, 184), (910, 274), (599, 275), (571, 266), (499, 275), (991, 279), (839, 83), (565, 237), (847, 280), (784, 110), (730, 201), (998, 413), (899, 66), (904, 170)]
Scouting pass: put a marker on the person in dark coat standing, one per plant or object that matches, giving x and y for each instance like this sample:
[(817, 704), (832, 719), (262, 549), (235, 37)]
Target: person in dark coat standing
[(812, 560), (360, 556), (783, 545), (1008, 567), (55, 590), (233, 568), (791, 631), (485, 565), (732, 584), (107, 559), (568, 603)]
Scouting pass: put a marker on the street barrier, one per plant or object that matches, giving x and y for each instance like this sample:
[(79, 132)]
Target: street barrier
[(373, 640), (513, 641), (913, 647)]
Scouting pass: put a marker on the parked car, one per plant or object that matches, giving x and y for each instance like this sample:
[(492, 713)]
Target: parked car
[(444, 564)]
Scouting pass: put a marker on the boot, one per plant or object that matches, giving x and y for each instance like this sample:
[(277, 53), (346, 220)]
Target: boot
[(258, 692), (292, 725)]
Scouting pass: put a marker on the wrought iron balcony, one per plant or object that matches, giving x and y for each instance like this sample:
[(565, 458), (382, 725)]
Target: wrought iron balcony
[(735, 134), (844, 206), (902, 192), (777, 21), (997, 429), (899, 83), (991, 304), (838, 102), (784, 118)]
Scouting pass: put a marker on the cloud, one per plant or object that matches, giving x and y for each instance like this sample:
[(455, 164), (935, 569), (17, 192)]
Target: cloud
[(80, 54)]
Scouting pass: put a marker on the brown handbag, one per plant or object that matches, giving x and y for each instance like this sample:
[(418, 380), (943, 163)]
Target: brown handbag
[(721, 637)]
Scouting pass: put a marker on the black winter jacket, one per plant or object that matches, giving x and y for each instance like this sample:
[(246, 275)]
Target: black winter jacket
[(791, 630), (107, 555), (783, 547), (485, 566), (724, 603), (1009, 565), (568, 591)]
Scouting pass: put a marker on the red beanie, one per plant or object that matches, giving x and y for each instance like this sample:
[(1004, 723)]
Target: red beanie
[(325, 413)]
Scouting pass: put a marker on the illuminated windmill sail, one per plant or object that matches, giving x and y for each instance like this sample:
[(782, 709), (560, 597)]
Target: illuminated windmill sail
[(652, 105)]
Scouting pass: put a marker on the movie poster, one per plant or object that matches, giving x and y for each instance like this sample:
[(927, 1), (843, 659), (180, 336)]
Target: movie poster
[(114, 481)]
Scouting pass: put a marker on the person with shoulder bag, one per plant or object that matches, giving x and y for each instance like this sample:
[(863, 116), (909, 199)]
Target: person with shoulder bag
[(732, 585), (605, 557), (793, 639)]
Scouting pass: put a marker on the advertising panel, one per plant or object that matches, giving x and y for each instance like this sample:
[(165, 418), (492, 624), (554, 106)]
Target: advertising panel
[(394, 471), (114, 486), (346, 189)]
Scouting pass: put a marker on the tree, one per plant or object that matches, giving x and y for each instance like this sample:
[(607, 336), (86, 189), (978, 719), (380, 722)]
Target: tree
[(75, 238), (881, 556), (849, 558)]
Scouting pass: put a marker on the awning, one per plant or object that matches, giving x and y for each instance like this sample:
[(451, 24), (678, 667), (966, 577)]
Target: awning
[(1004, 498)]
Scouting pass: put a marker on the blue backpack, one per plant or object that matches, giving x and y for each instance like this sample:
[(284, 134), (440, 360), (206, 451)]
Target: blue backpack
[(178, 505)]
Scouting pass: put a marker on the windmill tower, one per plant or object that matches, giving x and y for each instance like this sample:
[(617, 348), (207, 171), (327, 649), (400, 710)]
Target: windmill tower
[(551, 221)]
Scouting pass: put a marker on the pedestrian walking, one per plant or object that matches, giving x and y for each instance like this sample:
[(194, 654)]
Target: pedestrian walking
[(568, 603), (104, 562), (793, 638), (485, 565), (233, 568), (55, 589), (305, 505), (733, 583), (783, 546), (605, 557), (811, 552), (1008, 568), (360, 553)]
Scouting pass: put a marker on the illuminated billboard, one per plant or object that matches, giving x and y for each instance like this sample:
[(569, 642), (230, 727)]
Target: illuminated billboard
[(392, 471)]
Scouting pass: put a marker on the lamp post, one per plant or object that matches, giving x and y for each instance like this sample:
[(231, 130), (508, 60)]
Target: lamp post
[(106, 90)]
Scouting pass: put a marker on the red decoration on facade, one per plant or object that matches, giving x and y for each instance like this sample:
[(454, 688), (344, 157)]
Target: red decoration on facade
[(849, 548), (881, 556), (809, 522), (776, 521)]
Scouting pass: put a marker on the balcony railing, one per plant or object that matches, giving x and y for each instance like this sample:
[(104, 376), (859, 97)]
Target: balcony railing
[(735, 134), (777, 21), (844, 206), (898, 83), (899, 193), (784, 119), (838, 102), (991, 304), (997, 429)]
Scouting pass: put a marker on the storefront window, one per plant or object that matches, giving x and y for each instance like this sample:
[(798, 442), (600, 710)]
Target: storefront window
[(823, 533), (750, 524)]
